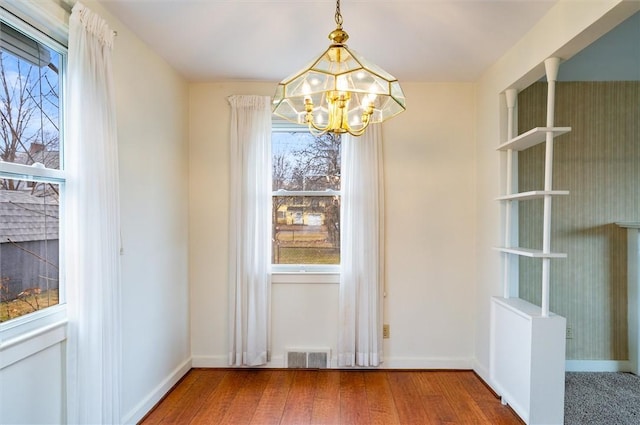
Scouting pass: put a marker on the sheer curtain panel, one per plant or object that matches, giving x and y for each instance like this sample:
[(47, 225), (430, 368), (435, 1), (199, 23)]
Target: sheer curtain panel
[(362, 242), (92, 226), (249, 230)]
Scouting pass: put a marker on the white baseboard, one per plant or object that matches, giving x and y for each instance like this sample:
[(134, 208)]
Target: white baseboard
[(389, 363), (598, 366), (434, 363), (138, 412), (209, 361), (483, 372), (427, 363)]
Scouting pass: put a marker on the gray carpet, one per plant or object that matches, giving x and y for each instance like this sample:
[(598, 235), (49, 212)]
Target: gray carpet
[(601, 398)]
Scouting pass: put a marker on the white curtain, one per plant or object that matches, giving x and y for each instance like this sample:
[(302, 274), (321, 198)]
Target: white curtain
[(362, 262), (92, 226), (250, 230)]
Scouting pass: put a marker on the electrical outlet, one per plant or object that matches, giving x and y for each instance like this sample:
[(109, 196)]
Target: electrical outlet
[(569, 332), (386, 333)]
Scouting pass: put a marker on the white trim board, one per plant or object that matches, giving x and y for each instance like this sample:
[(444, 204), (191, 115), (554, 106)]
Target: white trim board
[(29, 343), (141, 409), (597, 366), (209, 361), (462, 363)]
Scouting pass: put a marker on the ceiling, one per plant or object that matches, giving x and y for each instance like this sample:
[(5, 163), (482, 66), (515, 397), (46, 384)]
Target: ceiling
[(266, 40)]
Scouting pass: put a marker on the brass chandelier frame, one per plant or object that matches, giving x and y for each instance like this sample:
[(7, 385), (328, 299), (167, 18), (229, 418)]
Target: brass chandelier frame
[(343, 86)]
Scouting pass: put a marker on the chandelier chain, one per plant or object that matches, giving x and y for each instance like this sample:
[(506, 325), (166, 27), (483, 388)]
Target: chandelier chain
[(338, 15)]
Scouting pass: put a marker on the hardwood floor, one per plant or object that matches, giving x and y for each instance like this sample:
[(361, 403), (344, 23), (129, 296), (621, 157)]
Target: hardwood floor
[(330, 396)]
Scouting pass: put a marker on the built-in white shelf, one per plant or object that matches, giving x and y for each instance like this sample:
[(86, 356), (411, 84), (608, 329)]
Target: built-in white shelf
[(527, 351), (534, 194), (532, 137), (532, 253)]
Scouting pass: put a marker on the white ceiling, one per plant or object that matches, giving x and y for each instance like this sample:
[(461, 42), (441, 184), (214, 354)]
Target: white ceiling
[(266, 40)]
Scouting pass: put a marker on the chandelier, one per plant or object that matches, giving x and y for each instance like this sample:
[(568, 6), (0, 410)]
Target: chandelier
[(340, 91)]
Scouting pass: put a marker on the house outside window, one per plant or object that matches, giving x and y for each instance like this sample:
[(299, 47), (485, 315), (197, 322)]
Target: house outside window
[(31, 171), (306, 200)]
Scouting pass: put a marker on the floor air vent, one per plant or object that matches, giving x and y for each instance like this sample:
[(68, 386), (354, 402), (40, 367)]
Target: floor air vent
[(307, 359)]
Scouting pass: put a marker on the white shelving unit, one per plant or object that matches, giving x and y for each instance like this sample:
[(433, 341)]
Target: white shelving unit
[(532, 137), (532, 253), (528, 341), (521, 142), (533, 194)]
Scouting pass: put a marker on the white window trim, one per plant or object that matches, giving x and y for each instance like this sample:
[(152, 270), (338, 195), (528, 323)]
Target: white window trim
[(284, 192), (49, 17), (31, 172), (26, 335), (302, 273), (302, 276), (47, 23)]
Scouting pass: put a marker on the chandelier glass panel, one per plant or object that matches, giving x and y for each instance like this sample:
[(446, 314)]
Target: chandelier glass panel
[(339, 92)]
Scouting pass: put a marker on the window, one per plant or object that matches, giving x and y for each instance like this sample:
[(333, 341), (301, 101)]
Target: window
[(31, 177), (306, 200)]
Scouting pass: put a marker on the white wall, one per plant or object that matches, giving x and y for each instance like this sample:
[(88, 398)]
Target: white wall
[(33, 369), (152, 107), (566, 29), (441, 223), (152, 102), (209, 214), (430, 222), (43, 380)]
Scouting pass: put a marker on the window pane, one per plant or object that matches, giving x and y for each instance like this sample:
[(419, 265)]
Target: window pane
[(302, 161), (29, 100), (29, 259), (306, 230)]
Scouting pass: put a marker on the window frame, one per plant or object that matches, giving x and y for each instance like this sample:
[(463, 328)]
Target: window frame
[(15, 331), (302, 273)]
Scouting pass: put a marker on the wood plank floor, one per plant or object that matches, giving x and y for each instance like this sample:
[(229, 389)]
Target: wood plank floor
[(330, 396)]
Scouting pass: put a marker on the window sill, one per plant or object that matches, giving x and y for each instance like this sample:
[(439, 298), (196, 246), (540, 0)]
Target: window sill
[(305, 277), (27, 335)]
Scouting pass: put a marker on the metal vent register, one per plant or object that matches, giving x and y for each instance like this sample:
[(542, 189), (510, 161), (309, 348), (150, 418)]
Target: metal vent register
[(307, 359)]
